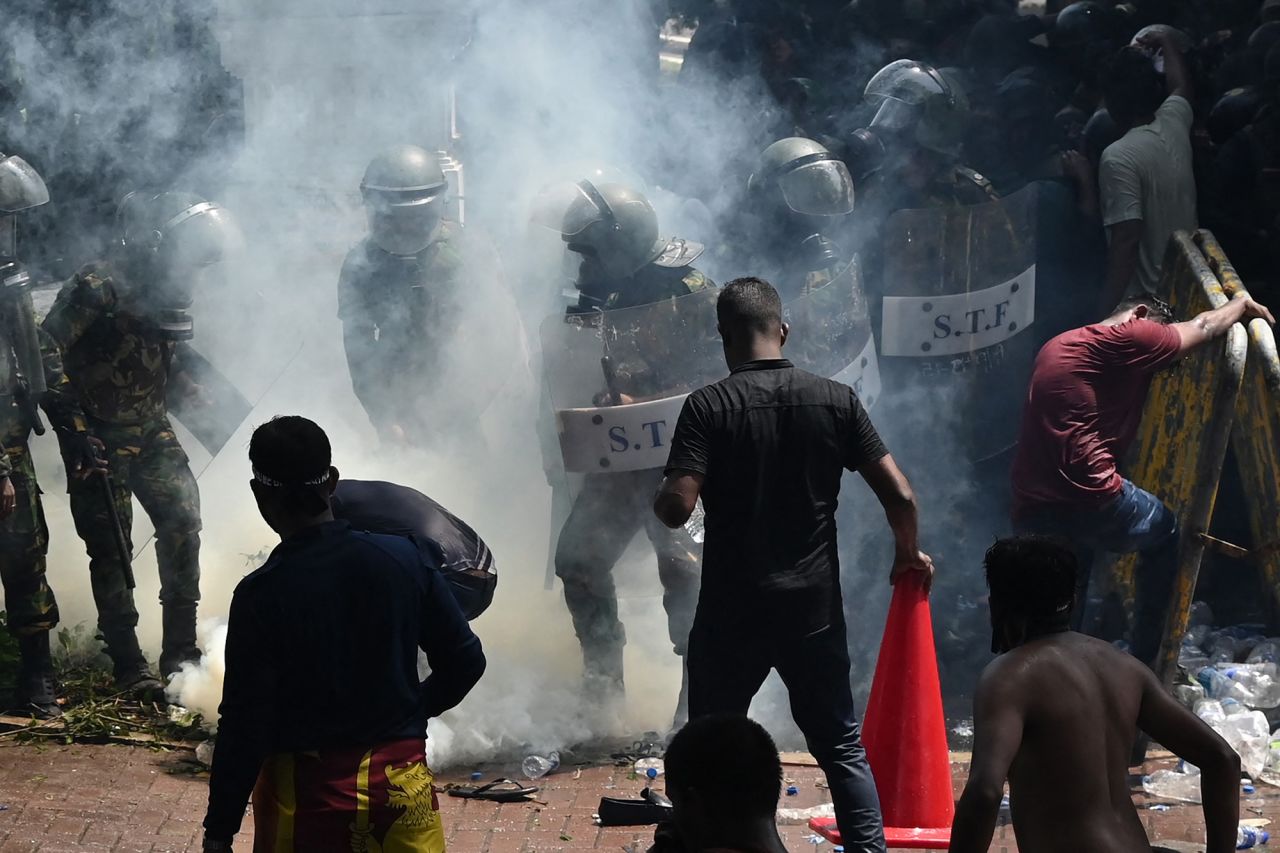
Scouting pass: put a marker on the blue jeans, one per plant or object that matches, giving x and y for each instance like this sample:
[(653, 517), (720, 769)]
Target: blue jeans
[(729, 662), (1133, 521)]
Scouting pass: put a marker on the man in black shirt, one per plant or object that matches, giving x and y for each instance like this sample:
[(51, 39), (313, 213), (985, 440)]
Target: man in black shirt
[(321, 703), (765, 448)]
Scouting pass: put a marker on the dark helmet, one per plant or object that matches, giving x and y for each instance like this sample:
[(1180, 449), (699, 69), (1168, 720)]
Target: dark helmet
[(1233, 112), (808, 177), (403, 191), (919, 101), (613, 224), (1264, 38), (170, 239), (1082, 22)]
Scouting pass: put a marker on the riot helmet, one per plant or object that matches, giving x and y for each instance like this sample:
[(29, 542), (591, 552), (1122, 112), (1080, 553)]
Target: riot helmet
[(1233, 112), (613, 227), (404, 191), (21, 188), (1081, 23), (809, 178), (172, 242), (916, 101)]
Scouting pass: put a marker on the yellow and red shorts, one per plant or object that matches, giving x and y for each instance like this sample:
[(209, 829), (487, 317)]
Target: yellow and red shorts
[(374, 800)]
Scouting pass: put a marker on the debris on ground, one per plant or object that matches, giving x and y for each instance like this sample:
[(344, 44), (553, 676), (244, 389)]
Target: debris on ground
[(799, 817)]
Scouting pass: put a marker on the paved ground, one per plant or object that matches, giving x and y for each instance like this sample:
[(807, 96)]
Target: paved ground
[(136, 800)]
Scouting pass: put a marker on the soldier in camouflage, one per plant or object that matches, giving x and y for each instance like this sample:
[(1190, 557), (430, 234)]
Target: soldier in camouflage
[(30, 374), (122, 327), (624, 264), (399, 288)]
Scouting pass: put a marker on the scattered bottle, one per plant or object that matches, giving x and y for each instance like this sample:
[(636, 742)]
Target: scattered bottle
[(1248, 837), (792, 790), (537, 766), (644, 765), (1268, 651), (1172, 785)]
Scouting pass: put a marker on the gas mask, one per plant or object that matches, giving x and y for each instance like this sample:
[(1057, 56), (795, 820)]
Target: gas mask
[(404, 229), (175, 245)]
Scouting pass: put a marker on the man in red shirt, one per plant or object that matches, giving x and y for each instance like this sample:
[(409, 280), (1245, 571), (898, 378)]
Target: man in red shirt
[(1086, 398)]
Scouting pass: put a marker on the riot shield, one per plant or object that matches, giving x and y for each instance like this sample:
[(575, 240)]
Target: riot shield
[(831, 334), (215, 417), (959, 296), (617, 379)]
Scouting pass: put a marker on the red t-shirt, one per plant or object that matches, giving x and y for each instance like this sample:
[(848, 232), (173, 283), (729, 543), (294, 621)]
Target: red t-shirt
[(1086, 397)]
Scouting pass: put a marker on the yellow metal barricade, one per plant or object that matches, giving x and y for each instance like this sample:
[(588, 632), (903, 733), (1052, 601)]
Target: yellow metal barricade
[(1256, 435), (1182, 441)]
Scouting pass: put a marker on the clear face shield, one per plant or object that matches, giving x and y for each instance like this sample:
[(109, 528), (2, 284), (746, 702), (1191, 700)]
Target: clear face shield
[(195, 254), (916, 101), (404, 226), (580, 214), (21, 186), (822, 187)]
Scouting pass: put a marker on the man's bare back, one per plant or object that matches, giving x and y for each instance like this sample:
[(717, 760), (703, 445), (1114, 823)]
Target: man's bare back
[(1079, 700), (1067, 707), (1056, 714)]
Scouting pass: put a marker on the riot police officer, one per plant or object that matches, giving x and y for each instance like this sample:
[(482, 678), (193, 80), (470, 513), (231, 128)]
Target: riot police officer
[(399, 289), (625, 264), (122, 326), (798, 198), (30, 374)]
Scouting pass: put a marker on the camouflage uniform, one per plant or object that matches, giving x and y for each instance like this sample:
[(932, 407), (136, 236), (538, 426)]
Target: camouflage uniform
[(393, 309), (24, 538), (612, 508), (119, 367)]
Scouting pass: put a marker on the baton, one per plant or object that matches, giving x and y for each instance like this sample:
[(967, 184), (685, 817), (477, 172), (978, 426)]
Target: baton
[(117, 530)]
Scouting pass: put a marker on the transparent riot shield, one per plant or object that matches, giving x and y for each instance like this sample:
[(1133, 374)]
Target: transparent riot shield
[(959, 297), (831, 334), (616, 380)]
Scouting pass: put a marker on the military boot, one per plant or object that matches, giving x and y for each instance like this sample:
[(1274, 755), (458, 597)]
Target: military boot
[(130, 669), (179, 643), (603, 691), (35, 691)]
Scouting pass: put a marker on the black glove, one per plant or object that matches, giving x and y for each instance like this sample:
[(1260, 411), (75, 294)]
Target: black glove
[(82, 453)]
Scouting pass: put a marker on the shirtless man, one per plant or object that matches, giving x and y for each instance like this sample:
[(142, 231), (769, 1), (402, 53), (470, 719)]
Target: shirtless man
[(1056, 714)]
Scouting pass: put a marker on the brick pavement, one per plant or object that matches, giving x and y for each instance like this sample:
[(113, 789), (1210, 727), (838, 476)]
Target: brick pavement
[(136, 800)]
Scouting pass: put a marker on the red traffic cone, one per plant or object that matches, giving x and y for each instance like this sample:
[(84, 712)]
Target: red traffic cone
[(905, 732)]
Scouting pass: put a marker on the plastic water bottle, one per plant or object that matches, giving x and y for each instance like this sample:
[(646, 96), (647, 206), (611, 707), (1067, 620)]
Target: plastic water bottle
[(1248, 837), (1268, 651), (204, 753), (1218, 685), (537, 766), (1211, 711), (644, 765), (696, 526)]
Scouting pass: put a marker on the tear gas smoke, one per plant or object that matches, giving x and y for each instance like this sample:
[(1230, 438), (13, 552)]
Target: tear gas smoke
[(525, 94)]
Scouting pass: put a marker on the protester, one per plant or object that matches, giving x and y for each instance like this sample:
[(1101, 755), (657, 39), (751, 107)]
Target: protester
[(1148, 189), (1088, 389), (449, 543), (321, 701), (1055, 715), (724, 779), (765, 449)]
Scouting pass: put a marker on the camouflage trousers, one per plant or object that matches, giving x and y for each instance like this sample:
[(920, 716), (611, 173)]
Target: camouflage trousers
[(610, 510), (24, 540), (145, 460)]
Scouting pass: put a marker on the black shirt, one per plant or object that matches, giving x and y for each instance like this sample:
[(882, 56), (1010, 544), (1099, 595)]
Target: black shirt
[(772, 442), (322, 651)]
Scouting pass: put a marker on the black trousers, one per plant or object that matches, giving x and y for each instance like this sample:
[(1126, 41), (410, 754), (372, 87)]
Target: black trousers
[(727, 666)]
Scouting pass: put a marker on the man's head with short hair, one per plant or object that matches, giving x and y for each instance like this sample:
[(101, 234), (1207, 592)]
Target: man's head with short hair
[(749, 317), (1033, 587), (1131, 87), (293, 475), (1142, 308), (723, 776)]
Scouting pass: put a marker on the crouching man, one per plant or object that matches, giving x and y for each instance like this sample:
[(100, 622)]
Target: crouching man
[(321, 704), (1056, 714)]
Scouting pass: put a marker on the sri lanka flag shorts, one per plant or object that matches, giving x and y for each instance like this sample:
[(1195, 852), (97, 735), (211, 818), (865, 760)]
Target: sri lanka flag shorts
[(378, 800)]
